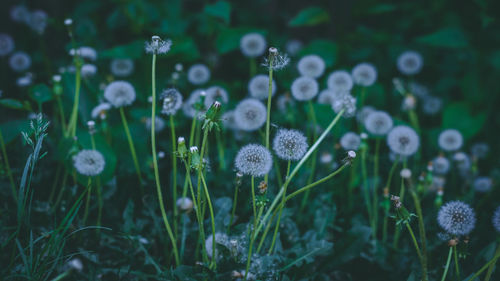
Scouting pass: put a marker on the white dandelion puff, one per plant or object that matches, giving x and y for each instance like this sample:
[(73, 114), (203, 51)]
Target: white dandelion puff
[(6, 44), (122, 67), (285, 102), (456, 218), (450, 140), (100, 110), (290, 144), (193, 107), (20, 61), (327, 96), (216, 93), (258, 87), (364, 74), (184, 204), (480, 150), (250, 114), (254, 160), (157, 46), (311, 66), (38, 21), (410, 63), (20, 14), (441, 165), (293, 47), (198, 74), (88, 70), (378, 123), (171, 101), (403, 140), (345, 102), (350, 141), (85, 52), (304, 88), (432, 105), (89, 162), (482, 184), (364, 112), (340, 80), (120, 93), (228, 120), (279, 62), (253, 45)]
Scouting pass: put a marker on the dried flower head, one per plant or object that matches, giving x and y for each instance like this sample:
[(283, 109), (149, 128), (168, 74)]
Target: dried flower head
[(378, 123), (403, 140), (119, 93), (350, 141), (482, 184), (364, 74), (157, 46), (198, 74), (410, 63), (258, 87), (290, 144), (250, 114), (276, 60), (304, 88), (450, 140), (171, 100), (216, 93), (6, 44), (122, 67), (340, 80), (456, 218), (311, 66), (254, 160), (89, 162), (20, 61), (253, 45)]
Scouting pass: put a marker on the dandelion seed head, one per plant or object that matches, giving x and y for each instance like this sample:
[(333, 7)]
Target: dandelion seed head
[(100, 110), (410, 63), (228, 120), (89, 162), (279, 60), (293, 46), (290, 144), (364, 74), (456, 218), (403, 140), (20, 14), (327, 96), (350, 141), (326, 158), (409, 103), (76, 264), (304, 88), (6, 44), (119, 93), (480, 150), (311, 66), (198, 74), (190, 107), (88, 70), (418, 90), (432, 105), (38, 21), (159, 124), (220, 238), (184, 204), (157, 46), (216, 93), (340, 80), (253, 45), (171, 101), (347, 102), (254, 160), (405, 173), (378, 123), (20, 61), (68, 22), (364, 112), (122, 67), (482, 184), (496, 219), (441, 165), (25, 80), (450, 140), (285, 102), (85, 52), (250, 114), (258, 87)]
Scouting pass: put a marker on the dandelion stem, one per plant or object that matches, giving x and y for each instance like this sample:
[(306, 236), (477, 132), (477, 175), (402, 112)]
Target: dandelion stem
[(415, 243), (448, 265), (250, 247), (233, 211), (312, 116), (61, 113), (253, 67), (212, 218), (402, 189), (457, 267), (375, 186), (387, 203), (269, 97), (254, 208), (489, 265), (74, 113), (421, 228), (280, 211), (155, 162), (366, 192), (220, 148), (174, 171), (268, 227), (131, 145), (87, 203), (7, 166)]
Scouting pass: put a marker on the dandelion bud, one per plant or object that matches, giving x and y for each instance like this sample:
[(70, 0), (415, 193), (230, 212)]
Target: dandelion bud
[(91, 126), (193, 149), (405, 173), (181, 147), (351, 154), (262, 187), (68, 22)]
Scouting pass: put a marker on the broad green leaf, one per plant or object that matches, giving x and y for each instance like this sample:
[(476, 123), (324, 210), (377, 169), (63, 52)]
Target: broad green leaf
[(184, 49), (310, 16), (12, 129), (326, 49), (133, 50), (41, 93), (446, 38), (460, 116), (220, 9), (11, 103)]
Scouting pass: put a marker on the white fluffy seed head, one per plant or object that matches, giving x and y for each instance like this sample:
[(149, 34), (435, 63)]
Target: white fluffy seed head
[(250, 114), (38, 21), (285, 102), (304, 88), (432, 105), (20, 61), (450, 140), (403, 140), (100, 110), (311, 66), (347, 102), (88, 70), (157, 46), (293, 46), (253, 45), (254, 160), (184, 204), (216, 93), (364, 74), (350, 141), (340, 80), (405, 173), (364, 112), (171, 101), (258, 87), (351, 154), (441, 165), (496, 219), (456, 218), (85, 52), (6, 44), (198, 74), (191, 105), (290, 144), (378, 123), (480, 150), (19, 13), (327, 96), (68, 22), (119, 93), (482, 184), (122, 67), (89, 162), (410, 63)]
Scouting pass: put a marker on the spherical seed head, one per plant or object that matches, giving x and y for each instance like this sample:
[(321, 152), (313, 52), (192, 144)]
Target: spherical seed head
[(100, 110), (327, 96), (6, 44), (378, 123), (228, 120), (304, 88), (179, 67), (432, 105), (220, 238), (216, 94), (496, 219), (19, 13), (364, 74), (254, 160), (350, 141), (450, 140), (250, 114), (340, 80), (351, 154), (171, 101), (88, 70), (483, 184), (85, 52), (184, 204), (68, 22), (157, 46), (364, 112), (290, 144), (253, 45), (56, 78), (191, 107), (198, 74), (122, 67), (410, 63), (311, 66), (405, 173), (456, 218), (20, 61), (159, 124), (347, 102), (120, 93), (441, 165), (76, 264), (38, 21), (89, 162), (403, 140), (258, 87)]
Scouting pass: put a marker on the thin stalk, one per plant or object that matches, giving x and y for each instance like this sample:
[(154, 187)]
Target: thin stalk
[(402, 192), (268, 227), (74, 113), (375, 186), (489, 265), (220, 149), (155, 162), (212, 219), (312, 116), (457, 267), (282, 205), (174, 172), (448, 265), (233, 211), (253, 67), (268, 115), (131, 144), (7, 166), (252, 240), (61, 113), (417, 248), (388, 186), (366, 192), (87, 203), (421, 228), (254, 208), (100, 203), (492, 265)]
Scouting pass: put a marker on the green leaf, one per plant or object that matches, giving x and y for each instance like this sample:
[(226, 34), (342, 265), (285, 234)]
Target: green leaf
[(310, 16), (446, 38), (41, 93), (11, 103), (220, 9), (12, 129), (460, 116), (326, 49), (133, 50), (184, 49)]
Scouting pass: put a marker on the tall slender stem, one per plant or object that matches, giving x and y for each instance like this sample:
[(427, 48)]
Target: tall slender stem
[(131, 144), (492, 265), (7, 166), (421, 228), (276, 228), (312, 116), (250, 247), (155, 162), (87, 203), (174, 172), (386, 202), (457, 267), (233, 211), (488, 266), (269, 97), (448, 265), (254, 208), (375, 186), (212, 219), (74, 113)]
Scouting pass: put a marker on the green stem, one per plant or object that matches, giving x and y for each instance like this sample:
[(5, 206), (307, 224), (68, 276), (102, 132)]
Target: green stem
[(250, 247), (174, 172), (312, 116), (402, 192), (375, 186), (253, 67), (417, 248), (448, 265), (7, 166), (155, 161), (492, 265), (489, 265), (61, 113), (268, 115), (233, 211), (212, 218), (386, 211), (280, 208), (366, 192), (74, 113), (220, 148), (254, 208), (268, 227), (457, 268), (421, 228), (131, 144), (87, 203)]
